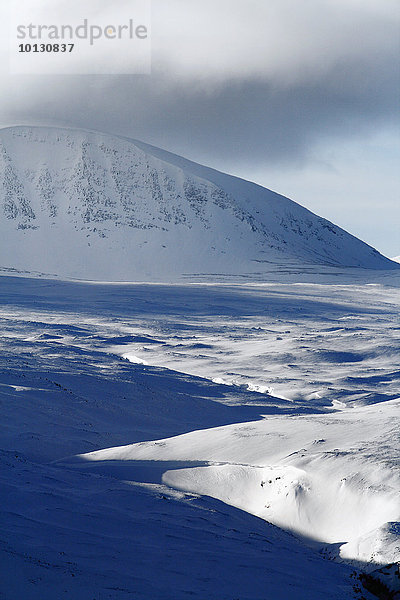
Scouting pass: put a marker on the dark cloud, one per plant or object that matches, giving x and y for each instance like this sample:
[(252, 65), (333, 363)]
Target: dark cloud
[(242, 121), (299, 73)]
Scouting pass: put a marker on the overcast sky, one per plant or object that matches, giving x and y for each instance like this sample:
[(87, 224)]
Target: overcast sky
[(298, 95)]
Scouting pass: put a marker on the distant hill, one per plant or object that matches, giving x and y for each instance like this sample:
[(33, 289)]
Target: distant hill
[(90, 205)]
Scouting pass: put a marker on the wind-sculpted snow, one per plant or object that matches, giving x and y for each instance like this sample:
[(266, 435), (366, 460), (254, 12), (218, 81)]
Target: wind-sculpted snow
[(122, 479), (314, 475), (89, 205)]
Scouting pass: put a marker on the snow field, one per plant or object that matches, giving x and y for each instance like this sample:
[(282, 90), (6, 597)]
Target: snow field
[(171, 505), (331, 489)]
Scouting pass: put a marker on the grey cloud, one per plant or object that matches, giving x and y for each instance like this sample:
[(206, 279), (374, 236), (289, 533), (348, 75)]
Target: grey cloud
[(242, 121), (347, 90)]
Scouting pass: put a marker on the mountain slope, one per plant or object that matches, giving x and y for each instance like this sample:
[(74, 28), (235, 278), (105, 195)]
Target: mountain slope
[(85, 204)]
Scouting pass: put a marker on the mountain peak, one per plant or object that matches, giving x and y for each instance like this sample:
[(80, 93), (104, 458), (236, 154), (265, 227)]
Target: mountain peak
[(90, 205)]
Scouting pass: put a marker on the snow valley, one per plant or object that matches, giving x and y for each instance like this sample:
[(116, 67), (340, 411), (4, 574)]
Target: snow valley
[(225, 429)]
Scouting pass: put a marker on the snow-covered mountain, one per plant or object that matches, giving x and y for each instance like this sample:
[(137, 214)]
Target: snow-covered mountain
[(89, 205)]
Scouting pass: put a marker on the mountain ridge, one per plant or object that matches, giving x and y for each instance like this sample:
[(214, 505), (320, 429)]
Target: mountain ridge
[(87, 204)]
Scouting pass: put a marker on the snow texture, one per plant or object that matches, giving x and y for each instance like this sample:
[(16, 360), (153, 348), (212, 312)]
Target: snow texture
[(129, 480)]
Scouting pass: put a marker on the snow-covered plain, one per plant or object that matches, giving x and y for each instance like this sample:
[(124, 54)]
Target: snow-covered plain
[(223, 441)]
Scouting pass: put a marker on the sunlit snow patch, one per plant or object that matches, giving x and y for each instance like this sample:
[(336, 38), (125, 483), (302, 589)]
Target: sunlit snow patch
[(134, 359)]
